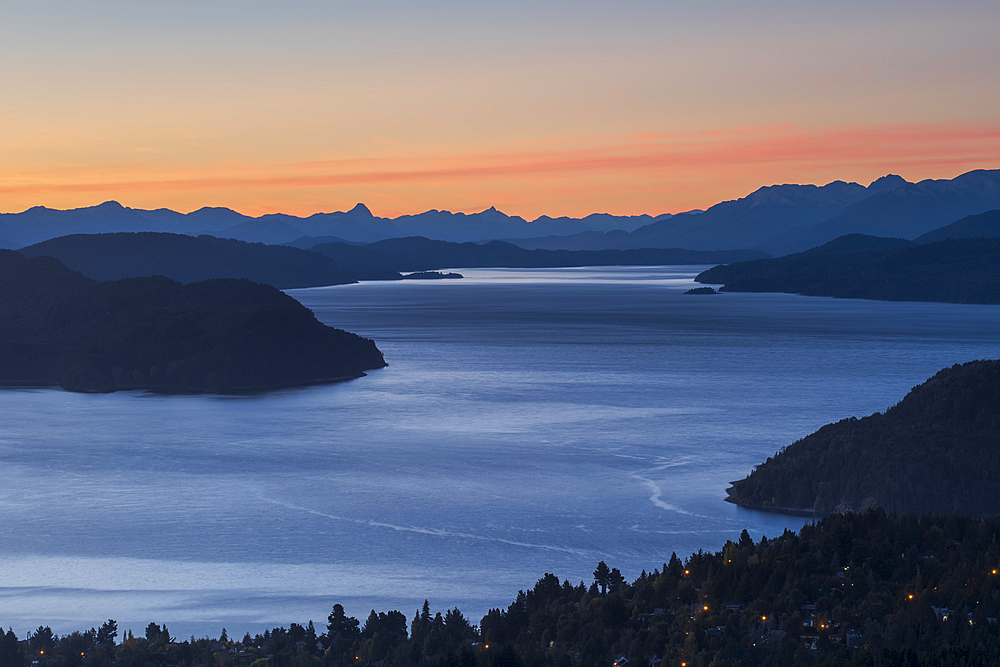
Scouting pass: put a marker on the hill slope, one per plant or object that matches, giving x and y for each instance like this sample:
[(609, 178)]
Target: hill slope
[(985, 225), (58, 327), (937, 450), (954, 271), (187, 259)]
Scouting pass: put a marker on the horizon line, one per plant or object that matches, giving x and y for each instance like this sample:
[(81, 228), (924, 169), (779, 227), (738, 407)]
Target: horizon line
[(465, 212)]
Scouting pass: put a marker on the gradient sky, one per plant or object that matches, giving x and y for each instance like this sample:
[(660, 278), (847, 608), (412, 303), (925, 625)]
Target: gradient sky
[(558, 108)]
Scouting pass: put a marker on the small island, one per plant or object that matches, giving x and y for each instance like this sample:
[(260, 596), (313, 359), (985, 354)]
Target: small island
[(701, 290), (937, 450), (60, 328), (431, 275)]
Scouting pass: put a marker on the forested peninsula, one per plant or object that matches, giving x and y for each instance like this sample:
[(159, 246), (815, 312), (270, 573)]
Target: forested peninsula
[(937, 450), (852, 589), (865, 267), (58, 327), (189, 259)]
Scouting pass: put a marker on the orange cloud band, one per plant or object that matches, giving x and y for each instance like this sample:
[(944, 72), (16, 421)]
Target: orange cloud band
[(649, 157)]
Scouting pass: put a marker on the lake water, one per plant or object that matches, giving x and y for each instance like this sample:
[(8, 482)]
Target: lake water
[(530, 421)]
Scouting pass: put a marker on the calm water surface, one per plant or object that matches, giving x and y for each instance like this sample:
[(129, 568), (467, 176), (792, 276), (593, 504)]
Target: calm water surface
[(530, 421)]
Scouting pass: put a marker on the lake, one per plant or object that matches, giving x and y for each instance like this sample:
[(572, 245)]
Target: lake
[(529, 421)]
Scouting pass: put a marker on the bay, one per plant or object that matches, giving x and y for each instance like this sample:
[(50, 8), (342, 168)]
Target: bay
[(529, 421)]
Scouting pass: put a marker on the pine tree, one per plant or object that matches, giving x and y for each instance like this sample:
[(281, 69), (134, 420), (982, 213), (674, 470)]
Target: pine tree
[(602, 577)]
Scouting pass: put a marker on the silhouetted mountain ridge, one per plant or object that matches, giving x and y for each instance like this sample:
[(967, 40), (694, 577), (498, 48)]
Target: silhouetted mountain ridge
[(905, 211), (356, 225), (778, 219), (748, 222)]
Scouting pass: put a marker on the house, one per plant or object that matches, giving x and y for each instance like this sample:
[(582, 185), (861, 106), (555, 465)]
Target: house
[(942, 613)]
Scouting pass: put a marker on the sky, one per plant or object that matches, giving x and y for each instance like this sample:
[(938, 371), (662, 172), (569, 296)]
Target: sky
[(557, 108)]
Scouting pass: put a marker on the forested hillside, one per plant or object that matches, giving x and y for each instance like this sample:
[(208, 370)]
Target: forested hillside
[(189, 259), (860, 267), (855, 589), (937, 450), (58, 327), (985, 225)]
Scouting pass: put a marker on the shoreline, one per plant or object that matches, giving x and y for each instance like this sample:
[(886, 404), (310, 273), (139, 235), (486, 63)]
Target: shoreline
[(167, 390), (787, 511)]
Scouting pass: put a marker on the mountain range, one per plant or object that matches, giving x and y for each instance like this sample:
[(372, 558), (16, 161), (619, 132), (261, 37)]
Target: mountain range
[(776, 219), (906, 210), (357, 225), (754, 219)]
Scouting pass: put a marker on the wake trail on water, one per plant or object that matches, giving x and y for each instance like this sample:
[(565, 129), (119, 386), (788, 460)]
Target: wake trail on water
[(435, 532), (656, 491)]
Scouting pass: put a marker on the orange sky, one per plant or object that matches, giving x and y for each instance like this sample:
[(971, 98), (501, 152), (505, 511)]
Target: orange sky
[(636, 107)]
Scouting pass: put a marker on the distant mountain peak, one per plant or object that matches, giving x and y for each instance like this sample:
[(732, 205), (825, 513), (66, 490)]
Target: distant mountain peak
[(361, 209), (204, 209), (110, 204), (886, 183)]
